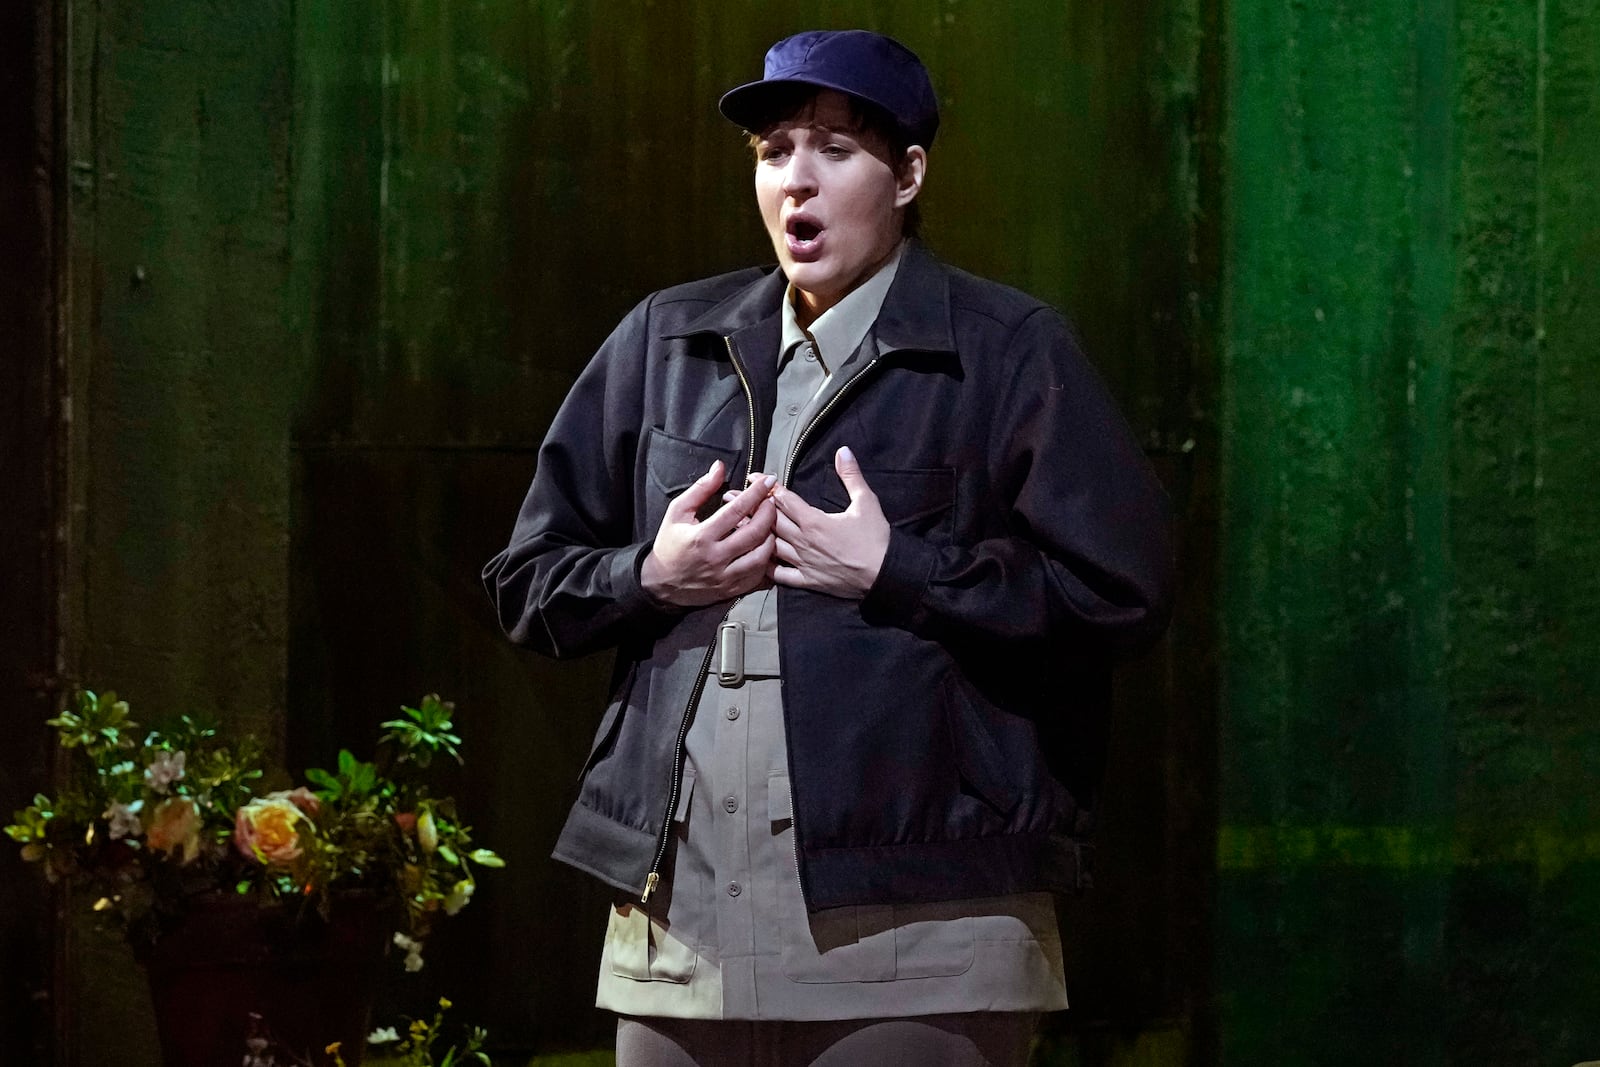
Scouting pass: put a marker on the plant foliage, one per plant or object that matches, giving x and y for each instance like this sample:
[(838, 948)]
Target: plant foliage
[(151, 820)]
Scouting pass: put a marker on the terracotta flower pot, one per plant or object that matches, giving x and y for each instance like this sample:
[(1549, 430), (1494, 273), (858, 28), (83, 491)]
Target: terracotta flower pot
[(310, 981)]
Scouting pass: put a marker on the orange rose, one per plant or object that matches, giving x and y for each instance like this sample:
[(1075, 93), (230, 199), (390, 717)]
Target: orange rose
[(267, 830)]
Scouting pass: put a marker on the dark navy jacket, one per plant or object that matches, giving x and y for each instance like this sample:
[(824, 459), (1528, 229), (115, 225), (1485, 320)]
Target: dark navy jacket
[(946, 732)]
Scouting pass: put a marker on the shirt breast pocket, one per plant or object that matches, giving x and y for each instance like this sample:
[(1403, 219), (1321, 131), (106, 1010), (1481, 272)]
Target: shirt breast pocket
[(671, 464), (921, 501)]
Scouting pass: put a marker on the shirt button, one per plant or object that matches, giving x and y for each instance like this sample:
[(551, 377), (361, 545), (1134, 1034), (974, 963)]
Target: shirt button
[(730, 804), (734, 889), (794, 409), (733, 713), (811, 353)]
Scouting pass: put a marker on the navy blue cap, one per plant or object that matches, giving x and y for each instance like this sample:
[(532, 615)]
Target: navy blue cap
[(875, 68)]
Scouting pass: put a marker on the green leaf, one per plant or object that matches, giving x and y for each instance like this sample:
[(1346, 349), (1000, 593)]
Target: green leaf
[(318, 776), (31, 823), (425, 731), (95, 723), (448, 854), (485, 858)]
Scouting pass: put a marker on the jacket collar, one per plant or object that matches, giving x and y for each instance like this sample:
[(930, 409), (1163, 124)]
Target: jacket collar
[(915, 315)]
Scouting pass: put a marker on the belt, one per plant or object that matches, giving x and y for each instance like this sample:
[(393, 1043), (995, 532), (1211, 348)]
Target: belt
[(743, 653)]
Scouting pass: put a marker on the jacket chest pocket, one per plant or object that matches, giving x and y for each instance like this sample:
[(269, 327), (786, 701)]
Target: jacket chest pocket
[(670, 465), (919, 501)]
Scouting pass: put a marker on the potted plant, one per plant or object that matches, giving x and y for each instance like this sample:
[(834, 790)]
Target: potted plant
[(241, 900)]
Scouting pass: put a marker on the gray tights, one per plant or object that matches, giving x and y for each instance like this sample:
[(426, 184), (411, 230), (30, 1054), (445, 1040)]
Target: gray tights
[(973, 1039)]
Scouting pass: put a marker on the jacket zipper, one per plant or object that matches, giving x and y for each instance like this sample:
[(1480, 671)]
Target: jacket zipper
[(653, 879), (800, 442), (788, 469)]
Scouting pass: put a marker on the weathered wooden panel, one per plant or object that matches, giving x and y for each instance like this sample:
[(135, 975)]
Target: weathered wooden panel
[(350, 256), (484, 188), (178, 385)]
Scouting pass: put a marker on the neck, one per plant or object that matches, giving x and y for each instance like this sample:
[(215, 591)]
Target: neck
[(808, 307)]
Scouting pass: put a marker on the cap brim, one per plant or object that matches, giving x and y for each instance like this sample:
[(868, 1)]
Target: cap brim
[(747, 106)]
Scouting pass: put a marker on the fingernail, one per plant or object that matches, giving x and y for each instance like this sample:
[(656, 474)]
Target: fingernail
[(769, 481), (847, 454)]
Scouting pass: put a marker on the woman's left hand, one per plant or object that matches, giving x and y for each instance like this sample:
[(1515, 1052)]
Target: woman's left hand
[(838, 553)]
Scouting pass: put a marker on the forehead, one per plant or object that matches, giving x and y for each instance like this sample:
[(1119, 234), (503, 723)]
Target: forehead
[(823, 109)]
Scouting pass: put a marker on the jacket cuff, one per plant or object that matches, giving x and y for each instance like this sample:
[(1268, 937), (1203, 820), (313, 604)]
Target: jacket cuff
[(627, 584), (896, 595)]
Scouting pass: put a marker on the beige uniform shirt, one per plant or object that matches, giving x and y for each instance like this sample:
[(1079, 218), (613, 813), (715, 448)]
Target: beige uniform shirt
[(727, 934)]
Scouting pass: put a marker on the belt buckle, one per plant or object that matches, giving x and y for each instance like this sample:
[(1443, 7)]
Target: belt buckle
[(730, 654)]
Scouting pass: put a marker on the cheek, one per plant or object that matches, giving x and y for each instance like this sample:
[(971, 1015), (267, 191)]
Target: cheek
[(769, 198), (872, 201)]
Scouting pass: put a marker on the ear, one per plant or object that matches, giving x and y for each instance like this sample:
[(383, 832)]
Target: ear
[(908, 183)]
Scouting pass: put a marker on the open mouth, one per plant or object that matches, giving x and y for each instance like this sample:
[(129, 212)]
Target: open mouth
[(803, 235)]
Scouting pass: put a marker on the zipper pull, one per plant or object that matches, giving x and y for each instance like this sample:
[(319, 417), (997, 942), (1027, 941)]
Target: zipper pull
[(650, 883)]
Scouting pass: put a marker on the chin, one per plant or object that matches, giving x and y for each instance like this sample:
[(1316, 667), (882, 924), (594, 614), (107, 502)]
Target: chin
[(812, 277)]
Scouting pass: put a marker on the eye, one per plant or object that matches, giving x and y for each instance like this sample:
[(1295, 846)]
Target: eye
[(833, 150), (772, 153)]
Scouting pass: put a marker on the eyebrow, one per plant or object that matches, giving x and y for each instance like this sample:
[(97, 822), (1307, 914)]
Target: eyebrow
[(815, 127)]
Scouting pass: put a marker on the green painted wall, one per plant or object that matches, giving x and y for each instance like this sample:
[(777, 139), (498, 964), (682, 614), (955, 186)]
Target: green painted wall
[(1407, 855)]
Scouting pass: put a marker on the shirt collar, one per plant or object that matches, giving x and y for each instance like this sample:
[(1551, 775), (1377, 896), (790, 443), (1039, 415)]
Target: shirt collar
[(838, 332), (915, 315)]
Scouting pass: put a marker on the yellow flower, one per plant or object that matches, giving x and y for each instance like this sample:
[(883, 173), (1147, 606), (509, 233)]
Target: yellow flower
[(268, 829)]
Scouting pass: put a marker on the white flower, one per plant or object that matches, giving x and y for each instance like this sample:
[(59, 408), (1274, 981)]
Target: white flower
[(413, 949), (460, 893), (165, 769), (124, 820), (383, 1035)]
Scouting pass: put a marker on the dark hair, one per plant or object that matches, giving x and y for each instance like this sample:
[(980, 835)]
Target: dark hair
[(784, 102)]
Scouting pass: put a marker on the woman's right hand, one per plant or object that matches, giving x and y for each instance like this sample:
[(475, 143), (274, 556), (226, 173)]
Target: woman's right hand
[(692, 563)]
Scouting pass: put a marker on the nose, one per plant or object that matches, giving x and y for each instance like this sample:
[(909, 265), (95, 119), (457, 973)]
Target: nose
[(800, 176)]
